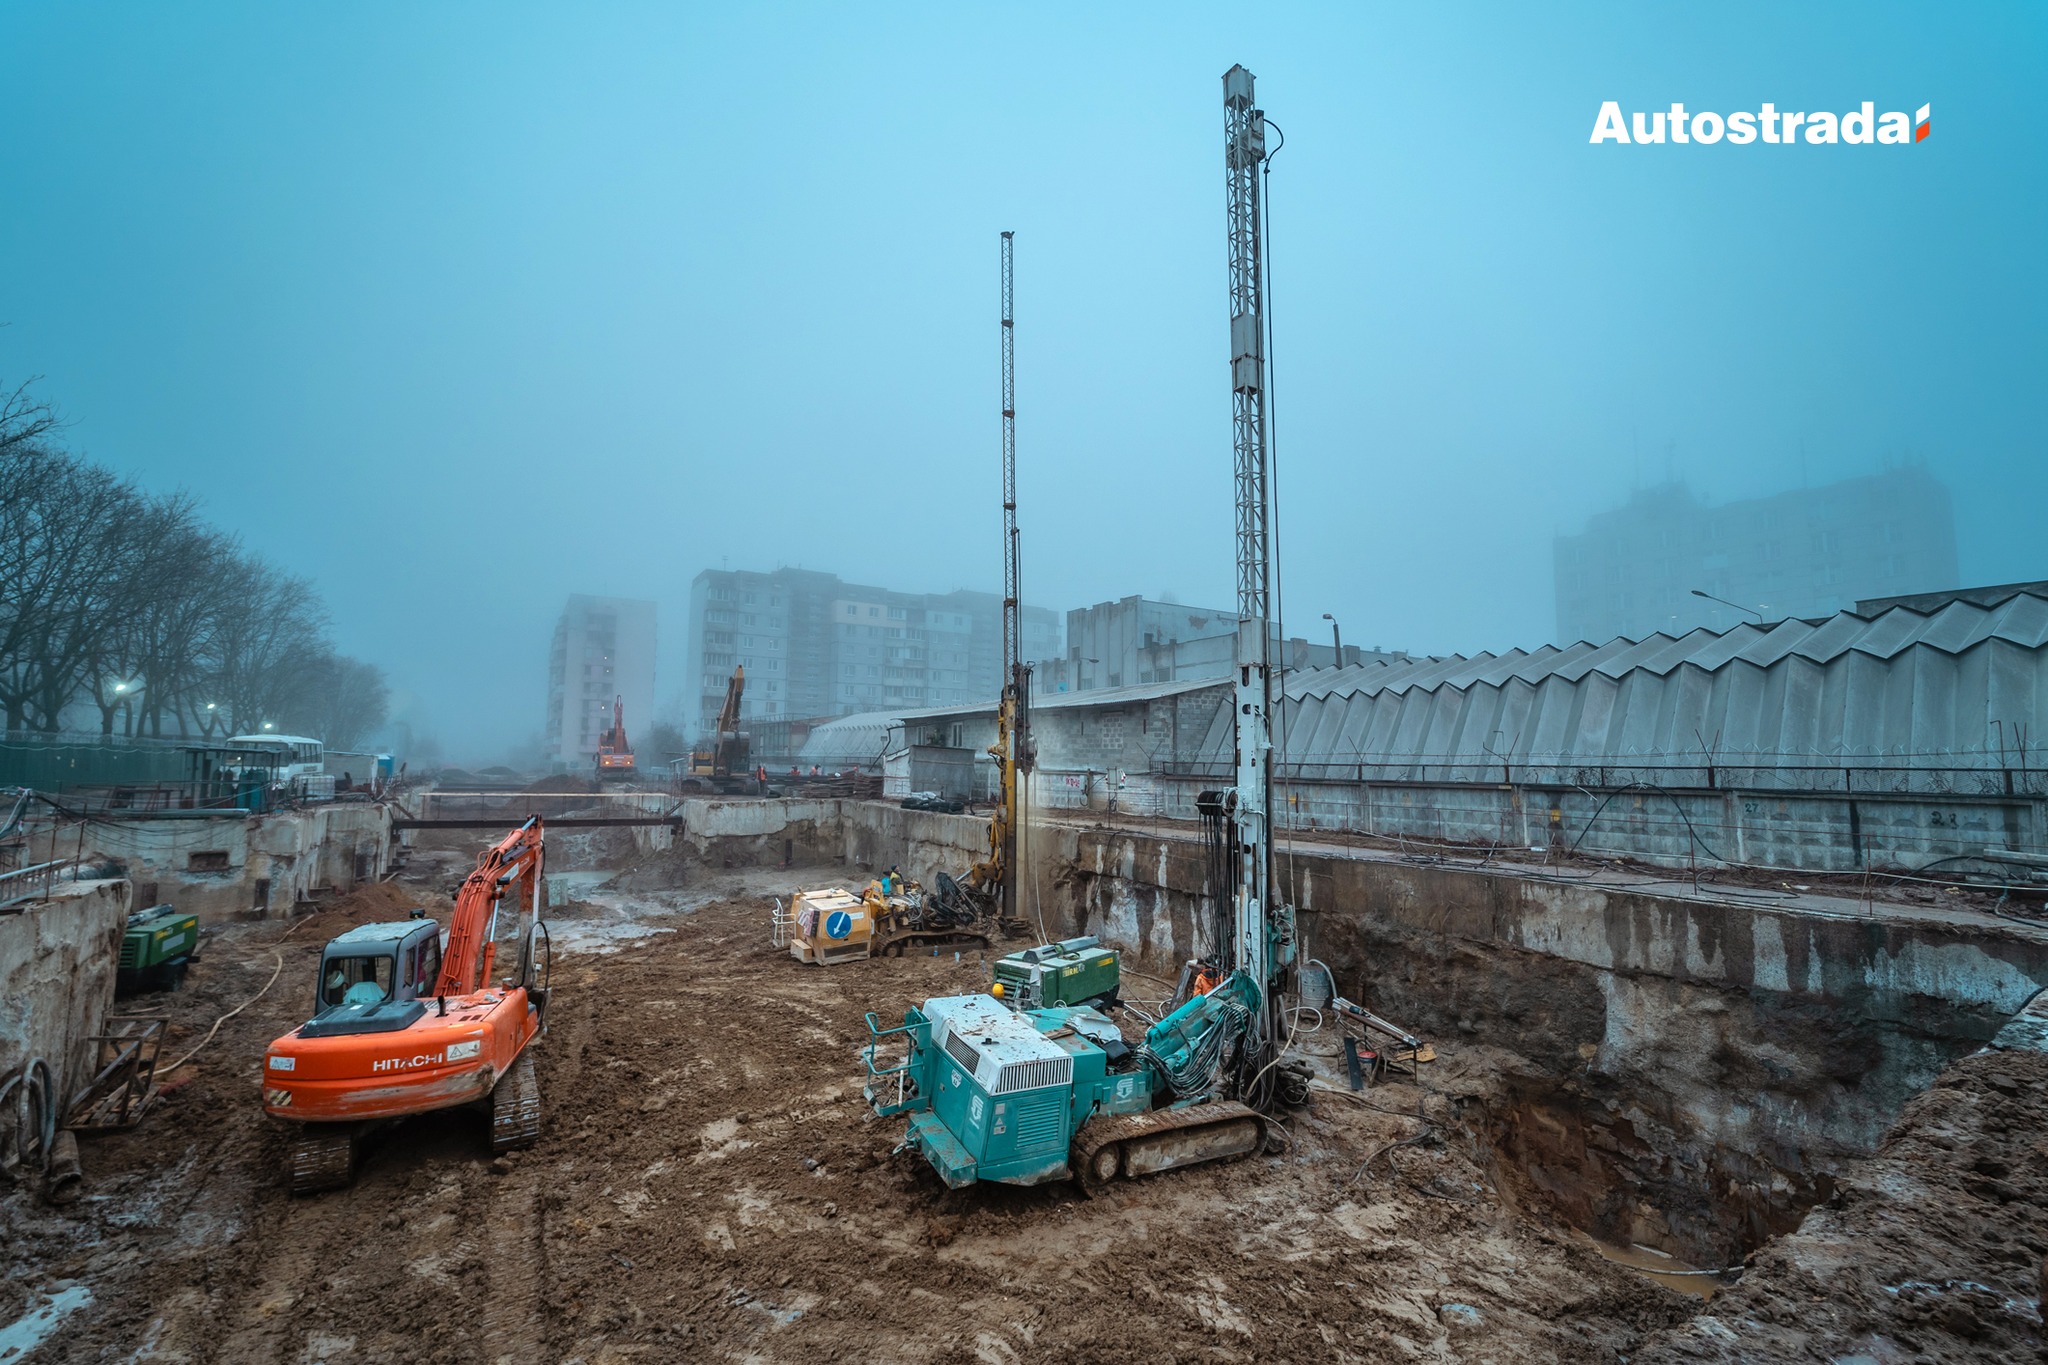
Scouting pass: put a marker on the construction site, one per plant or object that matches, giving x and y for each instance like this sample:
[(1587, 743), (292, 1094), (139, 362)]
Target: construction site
[(1676, 997)]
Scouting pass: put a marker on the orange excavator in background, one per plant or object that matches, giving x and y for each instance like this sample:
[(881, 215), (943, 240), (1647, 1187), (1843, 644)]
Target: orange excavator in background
[(614, 754), (402, 1027)]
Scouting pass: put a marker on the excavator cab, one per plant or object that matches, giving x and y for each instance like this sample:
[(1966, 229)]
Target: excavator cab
[(374, 965)]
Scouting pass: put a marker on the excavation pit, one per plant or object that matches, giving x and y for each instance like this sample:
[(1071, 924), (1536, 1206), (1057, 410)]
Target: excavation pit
[(711, 1186)]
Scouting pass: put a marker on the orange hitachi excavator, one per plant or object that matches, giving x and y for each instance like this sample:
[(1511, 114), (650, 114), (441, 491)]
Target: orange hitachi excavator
[(401, 1027), (614, 754)]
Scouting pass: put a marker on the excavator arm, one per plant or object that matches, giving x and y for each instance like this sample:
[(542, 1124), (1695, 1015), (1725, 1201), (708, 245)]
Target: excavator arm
[(735, 689), (512, 866)]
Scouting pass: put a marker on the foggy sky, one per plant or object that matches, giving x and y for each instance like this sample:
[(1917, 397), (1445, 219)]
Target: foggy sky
[(464, 308)]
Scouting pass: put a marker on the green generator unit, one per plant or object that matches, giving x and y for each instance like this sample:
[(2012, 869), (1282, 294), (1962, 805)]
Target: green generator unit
[(1075, 971), (154, 952)]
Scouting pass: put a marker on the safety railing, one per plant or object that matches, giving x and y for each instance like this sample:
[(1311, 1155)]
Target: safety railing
[(916, 1031), (33, 883)]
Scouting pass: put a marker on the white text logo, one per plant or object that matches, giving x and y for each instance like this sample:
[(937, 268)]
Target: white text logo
[(1863, 126)]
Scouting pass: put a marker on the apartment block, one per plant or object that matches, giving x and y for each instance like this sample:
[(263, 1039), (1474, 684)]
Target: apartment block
[(815, 645), (603, 649), (1641, 567)]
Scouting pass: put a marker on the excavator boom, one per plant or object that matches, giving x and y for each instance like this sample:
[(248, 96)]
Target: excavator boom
[(512, 865), (725, 756)]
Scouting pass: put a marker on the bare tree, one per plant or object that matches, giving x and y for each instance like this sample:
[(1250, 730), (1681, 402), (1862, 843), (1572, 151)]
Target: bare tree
[(68, 533), (130, 603), (25, 420), (340, 700), (268, 627)]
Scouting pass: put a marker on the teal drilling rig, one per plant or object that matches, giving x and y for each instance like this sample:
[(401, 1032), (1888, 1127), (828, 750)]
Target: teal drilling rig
[(1045, 1091)]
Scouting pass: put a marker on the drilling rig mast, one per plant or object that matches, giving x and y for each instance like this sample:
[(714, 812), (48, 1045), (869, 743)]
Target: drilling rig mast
[(1014, 730), (1263, 929)]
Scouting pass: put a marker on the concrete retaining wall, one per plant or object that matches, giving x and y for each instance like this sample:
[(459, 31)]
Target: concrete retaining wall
[(863, 836), (1698, 1067), (57, 963), (230, 865)]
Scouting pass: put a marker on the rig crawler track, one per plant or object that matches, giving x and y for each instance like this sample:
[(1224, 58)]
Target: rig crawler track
[(1130, 1145)]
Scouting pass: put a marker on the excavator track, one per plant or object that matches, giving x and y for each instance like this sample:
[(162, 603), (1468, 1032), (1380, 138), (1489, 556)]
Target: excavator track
[(1125, 1146), (515, 1107), (324, 1157), (919, 940)]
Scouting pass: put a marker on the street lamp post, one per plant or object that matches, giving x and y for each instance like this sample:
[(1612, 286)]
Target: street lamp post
[(1336, 638), (1726, 603)]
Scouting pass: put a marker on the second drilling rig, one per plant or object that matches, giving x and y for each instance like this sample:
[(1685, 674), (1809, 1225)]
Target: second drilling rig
[(1042, 1094)]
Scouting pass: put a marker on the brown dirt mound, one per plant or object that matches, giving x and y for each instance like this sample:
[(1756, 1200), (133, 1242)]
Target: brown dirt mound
[(565, 783), (368, 904), (1933, 1250)]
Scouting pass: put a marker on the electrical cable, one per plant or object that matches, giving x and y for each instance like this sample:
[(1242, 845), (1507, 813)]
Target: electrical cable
[(167, 1070), (1279, 625)]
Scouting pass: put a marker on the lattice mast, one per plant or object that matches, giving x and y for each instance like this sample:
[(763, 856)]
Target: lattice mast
[(1015, 740), (1244, 153)]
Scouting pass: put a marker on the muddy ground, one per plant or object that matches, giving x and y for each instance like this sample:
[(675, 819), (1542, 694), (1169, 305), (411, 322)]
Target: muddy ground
[(711, 1187)]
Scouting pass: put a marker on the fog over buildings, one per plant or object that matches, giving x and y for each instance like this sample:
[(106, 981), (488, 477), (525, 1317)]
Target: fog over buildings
[(1668, 560), (814, 645), (471, 351)]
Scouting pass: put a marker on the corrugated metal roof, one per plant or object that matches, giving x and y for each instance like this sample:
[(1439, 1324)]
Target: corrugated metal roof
[(857, 739), (1055, 701), (1902, 689), (1901, 696), (1122, 696)]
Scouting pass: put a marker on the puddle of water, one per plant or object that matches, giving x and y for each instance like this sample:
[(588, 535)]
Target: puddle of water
[(618, 919), (1668, 1271), (572, 885), (25, 1333)]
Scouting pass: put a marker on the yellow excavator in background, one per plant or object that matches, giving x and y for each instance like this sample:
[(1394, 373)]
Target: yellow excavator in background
[(721, 762)]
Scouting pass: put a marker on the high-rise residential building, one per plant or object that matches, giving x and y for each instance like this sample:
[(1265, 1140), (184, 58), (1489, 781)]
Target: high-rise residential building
[(603, 649), (1640, 568), (815, 645)]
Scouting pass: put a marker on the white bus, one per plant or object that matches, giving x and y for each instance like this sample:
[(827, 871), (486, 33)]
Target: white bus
[(295, 761)]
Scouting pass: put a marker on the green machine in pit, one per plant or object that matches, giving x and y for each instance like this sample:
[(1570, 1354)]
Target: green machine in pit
[(159, 944), (1030, 1095)]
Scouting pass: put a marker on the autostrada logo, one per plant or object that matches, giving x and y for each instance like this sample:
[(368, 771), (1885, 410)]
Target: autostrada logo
[(1863, 126)]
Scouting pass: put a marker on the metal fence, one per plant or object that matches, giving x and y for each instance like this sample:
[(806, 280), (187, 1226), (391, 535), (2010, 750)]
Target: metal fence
[(62, 762)]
